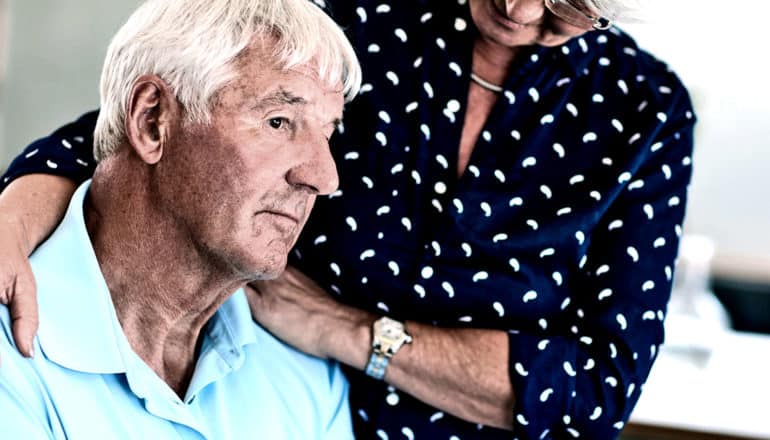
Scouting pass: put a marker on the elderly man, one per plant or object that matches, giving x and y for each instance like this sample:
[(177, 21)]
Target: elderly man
[(212, 144), (501, 251)]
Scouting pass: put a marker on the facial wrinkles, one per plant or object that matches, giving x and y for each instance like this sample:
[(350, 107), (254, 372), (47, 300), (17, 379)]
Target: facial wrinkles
[(285, 203), (293, 201), (281, 97), (280, 102), (308, 115), (295, 95)]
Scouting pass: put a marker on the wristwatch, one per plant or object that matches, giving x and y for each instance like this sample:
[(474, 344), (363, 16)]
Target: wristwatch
[(388, 336)]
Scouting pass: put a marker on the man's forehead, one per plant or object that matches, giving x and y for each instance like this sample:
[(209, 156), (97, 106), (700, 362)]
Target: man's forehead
[(261, 64), (280, 97), (311, 97), (261, 83)]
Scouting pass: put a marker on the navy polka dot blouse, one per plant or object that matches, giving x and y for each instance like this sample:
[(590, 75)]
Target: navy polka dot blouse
[(562, 231)]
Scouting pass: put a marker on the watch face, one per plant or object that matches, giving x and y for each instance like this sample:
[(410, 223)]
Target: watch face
[(390, 329), (389, 336)]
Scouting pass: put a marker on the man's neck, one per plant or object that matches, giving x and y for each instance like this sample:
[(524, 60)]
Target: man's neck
[(164, 291)]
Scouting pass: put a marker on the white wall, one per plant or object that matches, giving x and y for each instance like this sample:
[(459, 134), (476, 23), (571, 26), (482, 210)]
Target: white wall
[(719, 50), (3, 61), (55, 55)]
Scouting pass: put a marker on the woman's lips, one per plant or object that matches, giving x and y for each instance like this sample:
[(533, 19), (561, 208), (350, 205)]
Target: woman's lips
[(502, 18)]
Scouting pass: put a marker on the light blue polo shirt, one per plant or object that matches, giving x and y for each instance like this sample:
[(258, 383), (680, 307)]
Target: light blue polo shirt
[(86, 382)]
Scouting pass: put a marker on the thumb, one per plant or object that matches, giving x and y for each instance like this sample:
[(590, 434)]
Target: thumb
[(24, 309)]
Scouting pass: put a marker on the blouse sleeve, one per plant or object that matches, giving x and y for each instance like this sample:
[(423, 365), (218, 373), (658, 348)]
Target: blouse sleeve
[(67, 152), (585, 383)]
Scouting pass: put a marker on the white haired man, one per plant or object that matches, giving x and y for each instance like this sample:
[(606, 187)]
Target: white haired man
[(500, 254), (213, 145)]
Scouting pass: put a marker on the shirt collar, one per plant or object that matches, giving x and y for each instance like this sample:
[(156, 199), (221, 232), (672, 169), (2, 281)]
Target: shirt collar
[(233, 321), (79, 328), (76, 311)]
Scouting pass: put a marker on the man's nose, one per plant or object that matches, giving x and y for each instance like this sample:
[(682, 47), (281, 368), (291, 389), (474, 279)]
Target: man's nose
[(317, 172), (525, 11)]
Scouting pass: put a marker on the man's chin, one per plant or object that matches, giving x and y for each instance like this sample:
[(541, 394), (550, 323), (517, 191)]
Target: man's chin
[(270, 275), (268, 270)]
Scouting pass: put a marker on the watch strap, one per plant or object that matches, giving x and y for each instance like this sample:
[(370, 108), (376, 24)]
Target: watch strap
[(377, 365), (388, 336)]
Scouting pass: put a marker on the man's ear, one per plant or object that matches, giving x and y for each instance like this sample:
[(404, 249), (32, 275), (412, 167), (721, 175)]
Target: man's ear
[(151, 115)]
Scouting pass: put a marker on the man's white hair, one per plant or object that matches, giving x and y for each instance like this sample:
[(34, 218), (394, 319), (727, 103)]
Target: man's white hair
[(193, 46)]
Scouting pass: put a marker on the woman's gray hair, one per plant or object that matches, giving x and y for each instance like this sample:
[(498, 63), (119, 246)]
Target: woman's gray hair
[(193, 45), (617, 10)]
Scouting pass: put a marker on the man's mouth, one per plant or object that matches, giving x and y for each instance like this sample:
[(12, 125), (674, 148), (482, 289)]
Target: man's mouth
[(282, 214)]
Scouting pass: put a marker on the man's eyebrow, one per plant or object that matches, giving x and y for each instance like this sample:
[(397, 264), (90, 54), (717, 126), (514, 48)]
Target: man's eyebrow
[(280, 97)]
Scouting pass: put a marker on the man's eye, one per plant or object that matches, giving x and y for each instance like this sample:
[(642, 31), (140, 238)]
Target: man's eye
[(277, 123)]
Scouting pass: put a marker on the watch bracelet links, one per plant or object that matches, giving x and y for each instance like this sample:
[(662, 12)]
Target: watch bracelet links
[(377, 365), (383, 350)]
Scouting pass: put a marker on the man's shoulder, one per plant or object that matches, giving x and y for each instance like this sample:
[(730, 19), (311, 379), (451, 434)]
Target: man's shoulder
[(312, 391), (14, 365), (315, 371), (20, 382), (269, 355)]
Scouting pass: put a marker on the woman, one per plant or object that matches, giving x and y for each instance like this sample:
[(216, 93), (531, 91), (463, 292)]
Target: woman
[(513, 181)]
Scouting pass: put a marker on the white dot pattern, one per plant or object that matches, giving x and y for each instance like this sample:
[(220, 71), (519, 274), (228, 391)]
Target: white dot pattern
[(562, 231)]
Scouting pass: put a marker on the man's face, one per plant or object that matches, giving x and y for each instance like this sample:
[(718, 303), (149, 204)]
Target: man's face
[(244, 184), (514, 23)]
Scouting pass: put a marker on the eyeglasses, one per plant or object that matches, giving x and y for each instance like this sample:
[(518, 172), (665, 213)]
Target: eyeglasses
[(567, 11)]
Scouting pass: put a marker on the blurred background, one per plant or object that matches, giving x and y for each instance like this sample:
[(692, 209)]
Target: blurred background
[(711, 378)]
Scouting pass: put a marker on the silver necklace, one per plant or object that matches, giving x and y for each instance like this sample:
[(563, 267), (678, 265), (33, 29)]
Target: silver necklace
[(486, 84)]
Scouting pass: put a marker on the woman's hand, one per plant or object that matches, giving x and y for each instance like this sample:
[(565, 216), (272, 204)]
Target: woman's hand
[(30, 208), (17, 284), (461, 371), (299, 312)]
